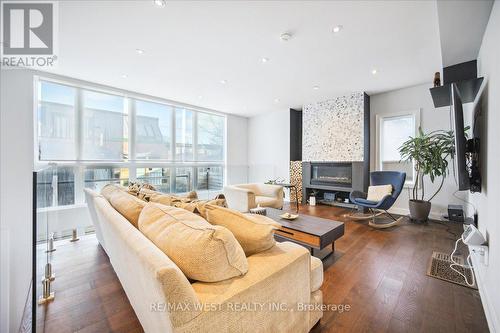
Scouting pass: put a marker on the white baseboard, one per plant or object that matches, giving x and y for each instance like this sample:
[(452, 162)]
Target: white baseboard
[(489, 309)]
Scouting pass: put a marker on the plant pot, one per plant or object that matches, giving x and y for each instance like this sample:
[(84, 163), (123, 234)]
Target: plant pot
[(419, 210)]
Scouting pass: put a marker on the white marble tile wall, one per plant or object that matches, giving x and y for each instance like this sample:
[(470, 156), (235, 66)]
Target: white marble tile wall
[(333, 129)]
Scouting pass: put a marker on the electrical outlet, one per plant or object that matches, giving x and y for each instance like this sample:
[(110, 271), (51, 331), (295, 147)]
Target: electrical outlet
[(482, 252)]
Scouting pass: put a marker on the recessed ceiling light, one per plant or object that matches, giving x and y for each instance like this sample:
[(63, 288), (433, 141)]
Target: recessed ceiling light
[(285, 36), (160, 3), (316, 87), (276, 100), (337, 28), (124, 76), (200, 97), (374, 71), (223, 81), (139, 51), (264, 60)]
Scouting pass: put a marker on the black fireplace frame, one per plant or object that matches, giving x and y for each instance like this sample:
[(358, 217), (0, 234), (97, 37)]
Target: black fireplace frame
[(359, 181), (314, 181)]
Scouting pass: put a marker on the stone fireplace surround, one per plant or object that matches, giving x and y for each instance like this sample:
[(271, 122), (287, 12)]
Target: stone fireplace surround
[(333, 134)]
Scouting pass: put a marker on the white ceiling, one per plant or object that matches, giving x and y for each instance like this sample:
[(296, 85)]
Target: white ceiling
[(190, 46), (461, 27)]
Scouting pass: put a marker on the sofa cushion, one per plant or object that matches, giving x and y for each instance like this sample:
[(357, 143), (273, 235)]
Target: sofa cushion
[(278, 276), (254, 232), (127, 205), (265, 201), (168, 199), (316, 274), (201, 205), (108, 189), (202, 251), (192, 205)]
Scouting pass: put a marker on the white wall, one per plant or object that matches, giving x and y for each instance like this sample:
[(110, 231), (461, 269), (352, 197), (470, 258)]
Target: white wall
[(488, 200), (237, 150), (408, 99), (16, 166), (269, 146)]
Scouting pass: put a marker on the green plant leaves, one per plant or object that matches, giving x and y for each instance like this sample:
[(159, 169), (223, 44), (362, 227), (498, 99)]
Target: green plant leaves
[(430, 154)]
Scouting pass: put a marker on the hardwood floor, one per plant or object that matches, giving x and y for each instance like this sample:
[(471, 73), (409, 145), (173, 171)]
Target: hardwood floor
[(380, 274), (88, 294)]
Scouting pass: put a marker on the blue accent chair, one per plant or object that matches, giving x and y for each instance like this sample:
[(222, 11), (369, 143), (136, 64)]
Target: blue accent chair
[(397, 180)]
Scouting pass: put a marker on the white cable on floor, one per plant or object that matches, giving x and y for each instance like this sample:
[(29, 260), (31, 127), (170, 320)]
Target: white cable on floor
[(463, 266)]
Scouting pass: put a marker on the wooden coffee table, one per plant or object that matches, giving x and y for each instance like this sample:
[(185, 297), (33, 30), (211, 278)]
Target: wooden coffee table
[(316, 234)]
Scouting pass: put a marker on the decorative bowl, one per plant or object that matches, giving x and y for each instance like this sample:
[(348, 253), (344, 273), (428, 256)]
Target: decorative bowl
[(289, 216)]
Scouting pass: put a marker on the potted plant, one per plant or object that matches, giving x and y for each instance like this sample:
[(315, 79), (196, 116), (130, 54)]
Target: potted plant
[(429, 154)]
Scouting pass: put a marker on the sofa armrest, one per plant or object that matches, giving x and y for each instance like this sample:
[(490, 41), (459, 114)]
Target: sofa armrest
[(278, 278), (240, 199)]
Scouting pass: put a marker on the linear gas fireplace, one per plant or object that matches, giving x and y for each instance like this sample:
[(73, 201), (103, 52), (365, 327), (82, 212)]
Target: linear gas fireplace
[(333, 180), (333, 174)]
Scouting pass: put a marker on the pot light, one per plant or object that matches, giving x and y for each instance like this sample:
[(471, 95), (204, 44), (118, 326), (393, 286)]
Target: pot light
[(223, 81), (316, 87), (337, 28), (200, 97), (276, 100), (124, 76), (264, 60), (139, 51), (374, 71), (160, 3), (285, 36)]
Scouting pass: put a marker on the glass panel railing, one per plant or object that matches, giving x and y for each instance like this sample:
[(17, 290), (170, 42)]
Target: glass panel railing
[(45, 188)]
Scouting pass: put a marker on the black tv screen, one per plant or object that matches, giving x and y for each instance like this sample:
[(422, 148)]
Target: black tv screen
[(462, 172)]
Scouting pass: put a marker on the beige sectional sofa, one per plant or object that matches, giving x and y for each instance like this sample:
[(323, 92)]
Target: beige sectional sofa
[(243, 197), (267, 298)]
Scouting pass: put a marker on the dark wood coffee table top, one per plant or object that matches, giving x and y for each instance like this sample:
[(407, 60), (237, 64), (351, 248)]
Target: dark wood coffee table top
[(323, 232)]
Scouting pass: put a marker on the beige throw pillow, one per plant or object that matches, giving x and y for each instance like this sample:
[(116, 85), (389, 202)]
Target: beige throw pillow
[(192, 205), (109, 189), (254, 232), (127, 205), (203, 252), (377, 193), (201, 206)]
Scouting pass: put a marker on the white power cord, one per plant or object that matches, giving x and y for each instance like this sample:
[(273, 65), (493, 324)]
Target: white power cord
[(463, 266)]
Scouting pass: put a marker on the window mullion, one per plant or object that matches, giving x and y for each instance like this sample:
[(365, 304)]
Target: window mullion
[(195, 136), (173, 143), (79, 170), (131, 112), (79, 124)]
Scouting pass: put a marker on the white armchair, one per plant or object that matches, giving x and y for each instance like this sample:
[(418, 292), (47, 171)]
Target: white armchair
[(243, 197)]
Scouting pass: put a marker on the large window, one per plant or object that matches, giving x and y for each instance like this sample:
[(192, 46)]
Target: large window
[(107, 137), (210, 140), (153, 131), (97, 177), (105, 131), (184, 135), (393, 130), (56, 122)]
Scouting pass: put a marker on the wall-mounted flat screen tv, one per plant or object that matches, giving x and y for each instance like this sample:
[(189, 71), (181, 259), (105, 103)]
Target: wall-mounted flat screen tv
[(462, 171)]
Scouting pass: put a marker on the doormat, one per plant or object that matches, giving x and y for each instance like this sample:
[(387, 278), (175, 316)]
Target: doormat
[(439, 268)]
